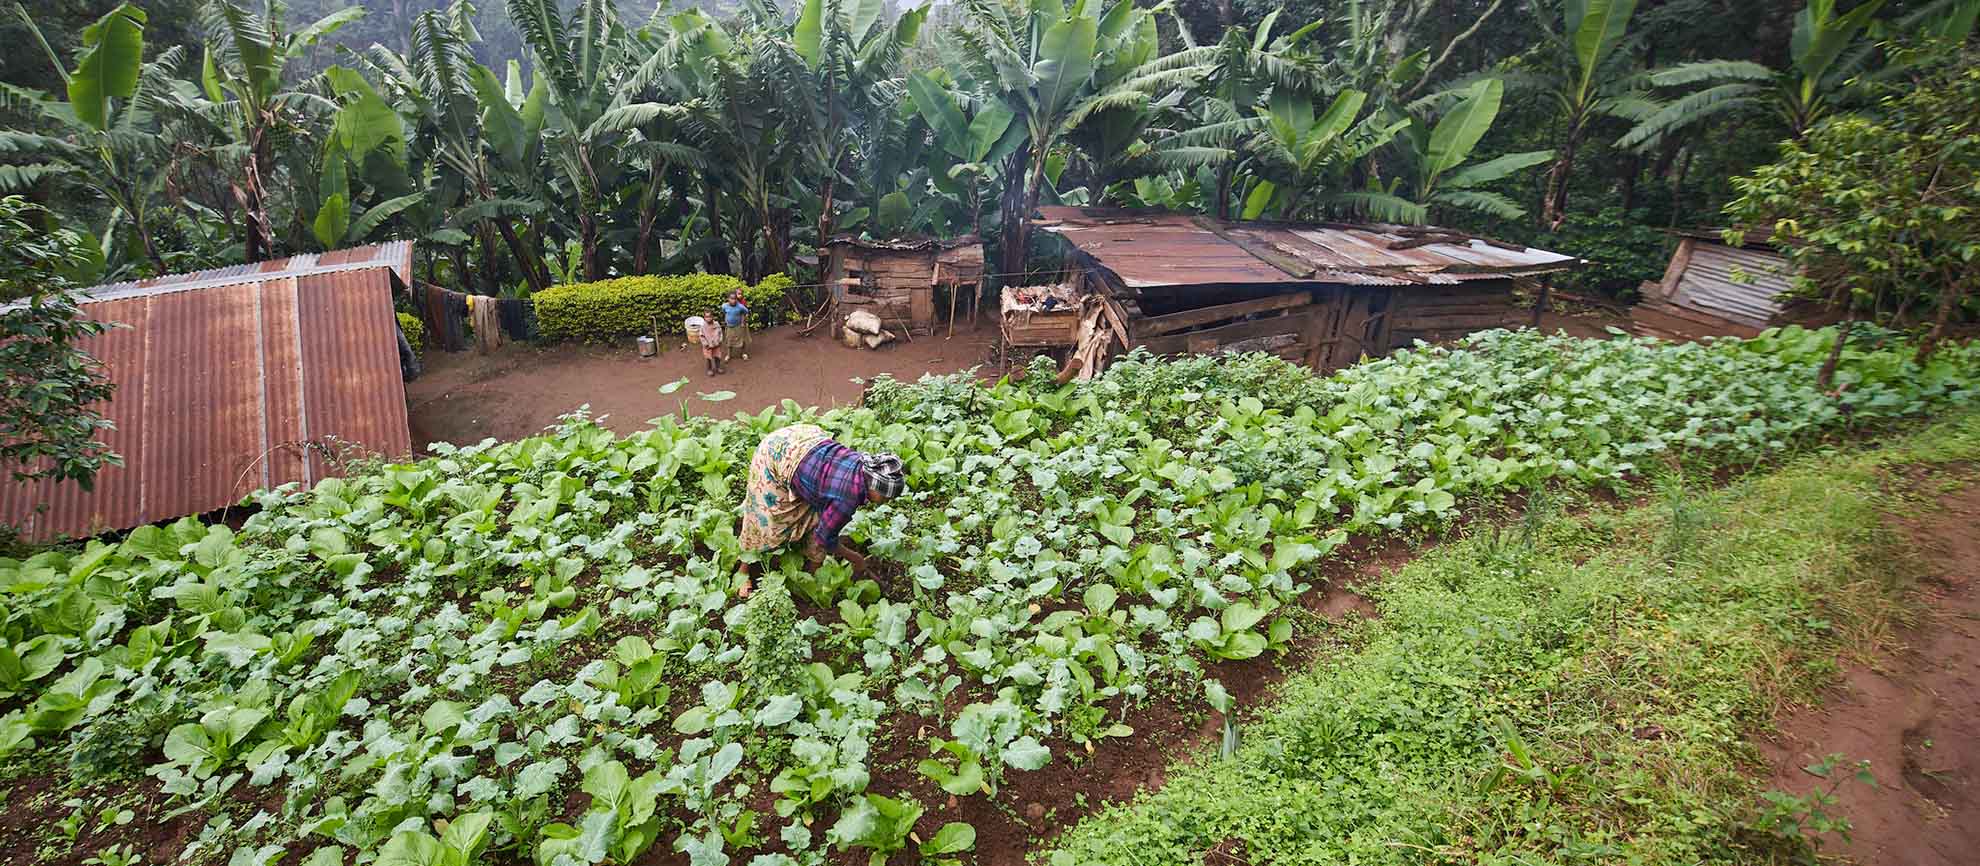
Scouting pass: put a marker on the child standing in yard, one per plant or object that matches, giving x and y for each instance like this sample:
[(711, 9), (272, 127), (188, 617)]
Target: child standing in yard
[(735, 319), (711, 342)]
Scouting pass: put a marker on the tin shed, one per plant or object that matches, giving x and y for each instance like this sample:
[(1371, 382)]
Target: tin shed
[(1712, 288), (1323, 294), (234, 380)]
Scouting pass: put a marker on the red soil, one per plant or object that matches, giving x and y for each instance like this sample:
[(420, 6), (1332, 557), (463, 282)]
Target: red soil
[(1914, 714), (519, 389)]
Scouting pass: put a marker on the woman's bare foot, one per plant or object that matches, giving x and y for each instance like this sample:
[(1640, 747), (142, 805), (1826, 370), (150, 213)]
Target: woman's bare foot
[(748, 586)]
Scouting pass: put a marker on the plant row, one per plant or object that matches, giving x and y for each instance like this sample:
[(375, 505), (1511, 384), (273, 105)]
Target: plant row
[(429, 662)]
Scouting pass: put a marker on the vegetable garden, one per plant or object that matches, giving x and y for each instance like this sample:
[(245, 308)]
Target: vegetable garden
[(533, 652)]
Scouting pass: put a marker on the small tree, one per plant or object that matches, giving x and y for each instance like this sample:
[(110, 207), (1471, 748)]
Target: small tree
[(49, 387), (1880, 213)]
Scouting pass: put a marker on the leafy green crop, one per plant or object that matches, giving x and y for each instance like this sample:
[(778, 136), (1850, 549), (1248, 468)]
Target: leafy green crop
[(493, 629)]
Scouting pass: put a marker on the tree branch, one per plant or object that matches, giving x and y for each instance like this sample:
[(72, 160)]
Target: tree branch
[(1452, 46)]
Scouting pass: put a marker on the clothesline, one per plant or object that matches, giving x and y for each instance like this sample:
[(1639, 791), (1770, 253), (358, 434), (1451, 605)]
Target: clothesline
[(449, 313)]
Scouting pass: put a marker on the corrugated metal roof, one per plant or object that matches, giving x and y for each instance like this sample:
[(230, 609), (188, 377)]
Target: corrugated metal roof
[(396, 254), (1741, 285), (1146, 250), (230, 385)]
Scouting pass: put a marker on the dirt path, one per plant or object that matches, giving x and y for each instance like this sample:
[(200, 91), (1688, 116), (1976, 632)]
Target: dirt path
[(520, 389), (1915, 716)]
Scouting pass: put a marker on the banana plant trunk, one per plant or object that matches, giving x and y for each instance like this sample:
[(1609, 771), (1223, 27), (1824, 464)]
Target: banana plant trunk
[(488, 269), (773, 248), (717, 259), (588, 237), (259, 242), (142, 224), (1014, 222), (648, 212), (825, 210), (1554, 209), (529, 261)]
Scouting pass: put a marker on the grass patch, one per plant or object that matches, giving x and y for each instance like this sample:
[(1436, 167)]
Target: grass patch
[(1571, 690)]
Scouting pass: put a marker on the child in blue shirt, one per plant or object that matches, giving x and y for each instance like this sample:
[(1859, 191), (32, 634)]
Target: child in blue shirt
[(735, 315)]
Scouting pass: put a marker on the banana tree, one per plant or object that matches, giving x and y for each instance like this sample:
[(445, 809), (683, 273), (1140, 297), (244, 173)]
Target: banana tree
[(1588, 84), (102, 138), (1041, 61), (975, 145), (585, 60), (247, 105), (1438, 154), (368, 140), (1828, 51), (1231, 76), (1301, 161), (849, 81), (480, 131)]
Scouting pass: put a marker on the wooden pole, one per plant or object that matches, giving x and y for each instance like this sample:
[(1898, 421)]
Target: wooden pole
[(1540, 303), (954, 288)]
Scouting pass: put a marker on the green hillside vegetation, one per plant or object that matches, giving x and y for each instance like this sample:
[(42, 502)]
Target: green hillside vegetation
[(427, 661)]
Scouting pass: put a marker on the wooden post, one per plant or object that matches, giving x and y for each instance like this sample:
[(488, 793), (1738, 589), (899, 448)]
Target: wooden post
[(1540, 303), (953, 289)]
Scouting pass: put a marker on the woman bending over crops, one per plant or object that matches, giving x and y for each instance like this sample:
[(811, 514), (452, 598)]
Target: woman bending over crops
[(803, 485)]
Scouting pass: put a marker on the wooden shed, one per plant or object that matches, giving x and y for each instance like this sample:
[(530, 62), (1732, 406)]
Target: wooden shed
[(1712, 288), (1323, 294), (895, 279)]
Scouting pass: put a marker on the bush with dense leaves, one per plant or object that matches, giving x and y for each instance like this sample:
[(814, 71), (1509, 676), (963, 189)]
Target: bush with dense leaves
[(415, 332), (628, 306)]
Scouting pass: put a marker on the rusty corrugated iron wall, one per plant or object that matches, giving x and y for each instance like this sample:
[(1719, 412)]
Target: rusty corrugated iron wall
[(227, 389)]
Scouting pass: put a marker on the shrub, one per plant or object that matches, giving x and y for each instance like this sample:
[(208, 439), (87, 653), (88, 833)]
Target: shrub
[(415, 331), (627, 306)]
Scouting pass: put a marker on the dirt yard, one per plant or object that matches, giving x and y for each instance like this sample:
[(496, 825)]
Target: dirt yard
[(1914, 715), (518, 390)]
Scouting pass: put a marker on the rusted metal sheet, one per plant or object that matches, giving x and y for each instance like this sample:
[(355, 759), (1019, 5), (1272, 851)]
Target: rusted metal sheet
[(1714, 289), (1149, 250), (1742, 285), (342, 403), (230, 387)]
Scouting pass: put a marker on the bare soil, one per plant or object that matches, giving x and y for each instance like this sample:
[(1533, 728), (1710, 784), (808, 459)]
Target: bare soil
[(1914, 714), (518, 390), (521, 388)]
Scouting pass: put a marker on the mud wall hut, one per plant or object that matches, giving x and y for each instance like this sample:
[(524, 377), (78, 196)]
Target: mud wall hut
[(1322, 294)]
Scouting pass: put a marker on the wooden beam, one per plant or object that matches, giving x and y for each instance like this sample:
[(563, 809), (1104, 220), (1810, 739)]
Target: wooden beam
[(1680, 260), (1294, 267), (1173, 322)]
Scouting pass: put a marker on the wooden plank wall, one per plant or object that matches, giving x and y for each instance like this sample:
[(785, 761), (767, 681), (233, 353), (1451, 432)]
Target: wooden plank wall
[(1330, 327), (1438, 313), (900, 286)]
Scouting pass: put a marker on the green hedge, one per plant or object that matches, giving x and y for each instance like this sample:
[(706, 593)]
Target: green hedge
[(415, 332), (626, 307)]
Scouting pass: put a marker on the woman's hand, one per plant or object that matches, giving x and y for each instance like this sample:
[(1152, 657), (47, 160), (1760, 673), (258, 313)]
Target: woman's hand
[(850, 555), (815, 553)]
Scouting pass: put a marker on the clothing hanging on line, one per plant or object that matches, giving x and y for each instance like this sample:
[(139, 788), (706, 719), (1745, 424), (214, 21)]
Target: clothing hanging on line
[(518, 317), (446, 314), (487, 323)]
